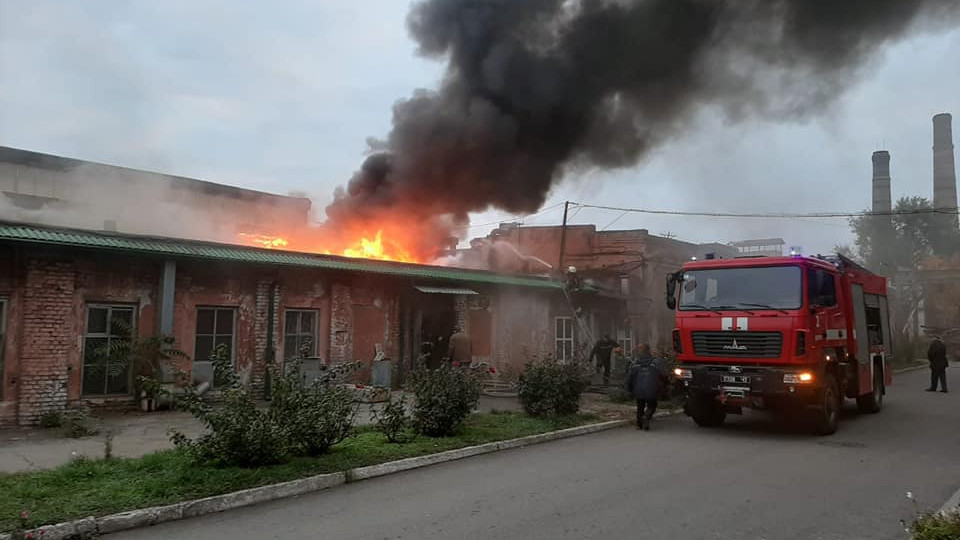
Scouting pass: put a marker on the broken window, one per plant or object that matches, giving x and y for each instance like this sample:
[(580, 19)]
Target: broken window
[(563, 338), (299, 333), (215, 327), (105, 373)]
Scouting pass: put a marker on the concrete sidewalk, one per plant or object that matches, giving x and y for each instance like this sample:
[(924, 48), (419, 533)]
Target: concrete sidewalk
[(134, 434)]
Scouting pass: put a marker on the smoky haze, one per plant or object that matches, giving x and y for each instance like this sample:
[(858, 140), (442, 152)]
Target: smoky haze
[(535, 88)]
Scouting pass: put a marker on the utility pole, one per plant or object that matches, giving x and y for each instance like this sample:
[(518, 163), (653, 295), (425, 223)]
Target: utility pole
[(563, 238)]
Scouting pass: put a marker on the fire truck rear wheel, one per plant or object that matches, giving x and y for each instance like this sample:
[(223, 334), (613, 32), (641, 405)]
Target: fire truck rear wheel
[(827, 415), (873, 402), (706, 412)]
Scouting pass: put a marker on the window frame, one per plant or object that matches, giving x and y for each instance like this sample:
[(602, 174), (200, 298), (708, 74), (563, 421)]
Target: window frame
[(559, 349), (625, 335), (3, 342), (109, 336), (298, 335), (213, 336)]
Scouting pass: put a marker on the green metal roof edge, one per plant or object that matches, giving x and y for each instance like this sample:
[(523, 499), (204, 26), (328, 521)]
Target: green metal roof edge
[(226, 252)]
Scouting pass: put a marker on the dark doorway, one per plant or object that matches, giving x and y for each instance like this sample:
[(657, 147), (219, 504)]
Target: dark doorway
[(438, 319)]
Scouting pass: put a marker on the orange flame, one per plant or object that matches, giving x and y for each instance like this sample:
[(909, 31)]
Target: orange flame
[(374, 249), (269, 242), (363, 248)]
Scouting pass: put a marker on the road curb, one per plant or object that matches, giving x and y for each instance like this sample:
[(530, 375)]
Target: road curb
[(952, 504), (90, 526), (909, 369)]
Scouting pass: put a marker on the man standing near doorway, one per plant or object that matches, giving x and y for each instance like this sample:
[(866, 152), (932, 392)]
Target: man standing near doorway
[(937, 355), (461, 348), (603, 350)]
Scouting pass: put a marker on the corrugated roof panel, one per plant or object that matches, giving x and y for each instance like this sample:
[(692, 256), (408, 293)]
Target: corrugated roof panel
[(226, 252), (444, 290)]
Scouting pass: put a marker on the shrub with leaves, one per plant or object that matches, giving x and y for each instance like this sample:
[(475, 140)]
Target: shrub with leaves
[(76, 423), (315, 414), (936, 526), (444, 398), (52, 419), (239, 432), (551, 388), (394, 422)]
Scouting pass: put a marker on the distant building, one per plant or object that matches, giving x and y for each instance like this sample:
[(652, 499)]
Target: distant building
[(766, 247), (65, 192), (626, 264)]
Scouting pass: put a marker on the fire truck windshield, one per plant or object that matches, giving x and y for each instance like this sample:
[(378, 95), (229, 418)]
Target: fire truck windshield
[(772, 287)]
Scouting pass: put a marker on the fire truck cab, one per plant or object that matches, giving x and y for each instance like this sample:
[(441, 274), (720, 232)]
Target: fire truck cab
[(780, 333)]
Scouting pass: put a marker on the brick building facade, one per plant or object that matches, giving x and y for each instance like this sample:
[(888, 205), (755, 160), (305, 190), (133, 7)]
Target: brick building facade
[(61, 289), (629, 265)]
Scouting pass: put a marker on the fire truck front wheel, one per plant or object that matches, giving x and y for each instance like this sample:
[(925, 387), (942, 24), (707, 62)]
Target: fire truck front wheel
[(706, 411), (827, 414)]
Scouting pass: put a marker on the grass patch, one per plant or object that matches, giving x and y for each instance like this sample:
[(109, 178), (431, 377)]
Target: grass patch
[(96, 488), (936, 526)]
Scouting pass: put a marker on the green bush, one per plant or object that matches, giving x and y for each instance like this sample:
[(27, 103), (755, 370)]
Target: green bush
[(53, 419), (77, 423), (939, 526), (548, 388), (239, 432), (444, 398), (315, 415), (394, 422)]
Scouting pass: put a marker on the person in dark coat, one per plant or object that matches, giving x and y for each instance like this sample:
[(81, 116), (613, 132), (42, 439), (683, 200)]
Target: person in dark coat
[(937, 355), (644, 381), (603, 350)]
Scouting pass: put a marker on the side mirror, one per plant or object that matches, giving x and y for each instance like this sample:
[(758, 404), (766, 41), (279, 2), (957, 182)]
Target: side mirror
[(672, 290)]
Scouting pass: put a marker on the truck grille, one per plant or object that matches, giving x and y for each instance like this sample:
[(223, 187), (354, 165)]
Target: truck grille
[(738, 344)]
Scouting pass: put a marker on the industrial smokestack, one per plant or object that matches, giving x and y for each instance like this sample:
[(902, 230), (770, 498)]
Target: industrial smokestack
[(881, 182), (944, 167)]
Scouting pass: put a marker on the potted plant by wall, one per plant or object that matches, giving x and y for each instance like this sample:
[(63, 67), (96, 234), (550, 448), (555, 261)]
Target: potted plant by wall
[(149, 391), (144, 357)]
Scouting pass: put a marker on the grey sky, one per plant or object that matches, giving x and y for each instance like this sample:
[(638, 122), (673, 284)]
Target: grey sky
[(281, 97)]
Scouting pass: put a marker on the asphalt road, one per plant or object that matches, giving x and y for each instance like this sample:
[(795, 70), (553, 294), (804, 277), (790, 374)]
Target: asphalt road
[(750, 479)]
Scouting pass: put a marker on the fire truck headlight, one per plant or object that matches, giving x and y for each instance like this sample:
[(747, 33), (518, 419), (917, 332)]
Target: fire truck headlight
[(798, 378), (682, 373)]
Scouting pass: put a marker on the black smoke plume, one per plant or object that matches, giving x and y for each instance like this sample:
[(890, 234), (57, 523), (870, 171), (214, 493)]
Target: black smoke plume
[(534, 87)]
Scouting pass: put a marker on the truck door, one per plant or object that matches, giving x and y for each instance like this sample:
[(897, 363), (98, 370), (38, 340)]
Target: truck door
[(887, 340), (862, 345)]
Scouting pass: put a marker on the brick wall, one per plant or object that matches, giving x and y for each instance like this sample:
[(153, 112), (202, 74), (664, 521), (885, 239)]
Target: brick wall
[(341, 322), (46, 325)]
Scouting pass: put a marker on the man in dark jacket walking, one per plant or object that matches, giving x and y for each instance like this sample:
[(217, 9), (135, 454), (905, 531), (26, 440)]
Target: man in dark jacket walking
[(937, 355), (644, 381), (603, 350)]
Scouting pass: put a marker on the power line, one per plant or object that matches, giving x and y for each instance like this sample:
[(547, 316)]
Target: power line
[(772, 215), (499, 221)]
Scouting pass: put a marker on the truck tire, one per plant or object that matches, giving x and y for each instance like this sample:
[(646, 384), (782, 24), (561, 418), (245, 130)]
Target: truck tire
[(706, 412), (827, 415), (872, 403)]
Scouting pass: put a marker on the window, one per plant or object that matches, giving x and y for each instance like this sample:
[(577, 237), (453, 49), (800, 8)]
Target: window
[(563, 338), (625, 338), (625, 285), (821, 287), (3, 341), (104, 373), (299, 333), (215, 327), (770, 287)]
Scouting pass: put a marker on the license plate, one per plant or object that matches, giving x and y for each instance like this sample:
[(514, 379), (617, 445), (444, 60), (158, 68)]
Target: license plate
[(735, 393), (735, 379)]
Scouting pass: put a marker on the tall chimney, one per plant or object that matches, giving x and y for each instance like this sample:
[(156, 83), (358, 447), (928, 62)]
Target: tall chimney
[(881, 182), (944, 167)]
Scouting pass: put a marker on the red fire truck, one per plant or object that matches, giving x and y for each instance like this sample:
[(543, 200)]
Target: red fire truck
[(780, 333)]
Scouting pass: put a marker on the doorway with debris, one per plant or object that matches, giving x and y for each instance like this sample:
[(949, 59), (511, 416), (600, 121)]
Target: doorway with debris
[(438, 318)]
